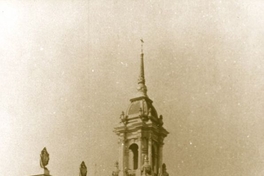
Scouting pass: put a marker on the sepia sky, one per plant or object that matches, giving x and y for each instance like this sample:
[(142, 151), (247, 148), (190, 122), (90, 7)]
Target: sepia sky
[(69, 67)]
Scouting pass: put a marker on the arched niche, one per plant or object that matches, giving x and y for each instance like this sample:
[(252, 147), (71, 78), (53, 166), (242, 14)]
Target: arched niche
[(133, 155)]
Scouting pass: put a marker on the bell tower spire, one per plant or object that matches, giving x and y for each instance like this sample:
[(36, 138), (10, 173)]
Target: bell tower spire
[(140, 134), (142, 88)]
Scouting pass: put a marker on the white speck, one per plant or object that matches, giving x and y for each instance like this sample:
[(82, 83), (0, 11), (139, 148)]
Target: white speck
[(248, 136), (238, 104), (92, 70), (125, 64), (41, 49), (190, 142)]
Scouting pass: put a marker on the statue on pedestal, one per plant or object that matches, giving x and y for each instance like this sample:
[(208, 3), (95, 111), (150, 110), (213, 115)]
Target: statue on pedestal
[(123, 118), (149, 112), (44, 160), (146, 168), (83, 169), (161, 120), (163, 170)]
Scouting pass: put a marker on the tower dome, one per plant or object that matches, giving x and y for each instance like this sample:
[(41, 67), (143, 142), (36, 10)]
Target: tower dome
[(141, 106)]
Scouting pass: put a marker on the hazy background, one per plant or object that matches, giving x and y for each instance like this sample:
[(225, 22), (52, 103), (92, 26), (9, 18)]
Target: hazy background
[(68, 69)]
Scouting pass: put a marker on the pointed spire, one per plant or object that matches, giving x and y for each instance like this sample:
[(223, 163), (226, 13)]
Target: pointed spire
[(141, 80)]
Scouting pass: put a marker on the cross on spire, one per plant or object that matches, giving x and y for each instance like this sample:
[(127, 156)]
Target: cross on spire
[(142, 42)]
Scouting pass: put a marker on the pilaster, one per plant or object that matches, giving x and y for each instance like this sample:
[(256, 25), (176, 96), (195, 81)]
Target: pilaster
[(160, 155), (150, 150), (139, 154)]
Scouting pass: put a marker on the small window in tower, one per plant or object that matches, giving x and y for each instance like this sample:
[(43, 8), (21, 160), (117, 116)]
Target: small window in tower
[(134, 150)]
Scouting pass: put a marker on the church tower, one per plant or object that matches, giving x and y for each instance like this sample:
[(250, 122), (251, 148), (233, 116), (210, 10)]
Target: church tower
[(140, 133)]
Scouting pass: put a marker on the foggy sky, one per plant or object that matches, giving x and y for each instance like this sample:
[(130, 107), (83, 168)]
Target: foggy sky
[(68, 69)]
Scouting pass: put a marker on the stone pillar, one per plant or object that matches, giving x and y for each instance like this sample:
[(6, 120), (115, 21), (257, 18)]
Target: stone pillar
[(121, 156), (150, 151), (130, 159), (160, 155), (139, 155), (144, 148), (156, 161)]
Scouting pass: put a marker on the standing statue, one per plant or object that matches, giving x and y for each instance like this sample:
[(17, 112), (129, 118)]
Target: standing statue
[(163, 170), (160, 120), (83, 169), (123, 118), (149, 112), (44, 160), (146, 168)]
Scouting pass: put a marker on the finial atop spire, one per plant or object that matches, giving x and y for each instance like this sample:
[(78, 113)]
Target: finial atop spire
[(142, 41), (141, 80)]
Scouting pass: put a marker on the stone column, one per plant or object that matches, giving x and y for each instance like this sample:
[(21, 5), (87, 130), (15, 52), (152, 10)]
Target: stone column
[(160, 155), (139, 155), (156, 160), (144, 148), (121, 156), (150, 151)]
